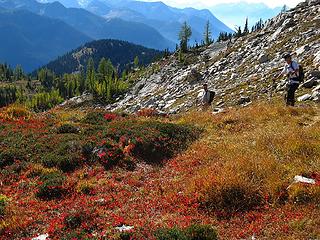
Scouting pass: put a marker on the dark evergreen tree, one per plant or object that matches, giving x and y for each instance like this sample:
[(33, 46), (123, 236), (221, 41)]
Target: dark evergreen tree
[(184, 36), (82, 81), (136, 62), (102, 70), (258, 26), (246, 28), (284, 9), (91, 75), (18, 73), (8, 95), (224, 36), (6, 73), (208, 34), (238, 32), (46, 77)]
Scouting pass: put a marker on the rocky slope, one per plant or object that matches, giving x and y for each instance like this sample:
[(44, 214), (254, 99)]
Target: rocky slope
[(240, 71)]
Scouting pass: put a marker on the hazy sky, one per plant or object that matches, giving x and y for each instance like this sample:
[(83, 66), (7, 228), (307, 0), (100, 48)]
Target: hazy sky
[(208, 3)]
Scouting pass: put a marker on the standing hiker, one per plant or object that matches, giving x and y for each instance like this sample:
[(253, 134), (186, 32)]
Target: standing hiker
[(294, 73), (207, 97)]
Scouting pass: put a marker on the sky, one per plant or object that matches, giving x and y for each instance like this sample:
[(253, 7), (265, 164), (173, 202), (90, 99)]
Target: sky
[(209, 3)]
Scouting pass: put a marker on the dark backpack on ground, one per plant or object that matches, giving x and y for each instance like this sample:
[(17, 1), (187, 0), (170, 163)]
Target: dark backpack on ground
[(211, 96)]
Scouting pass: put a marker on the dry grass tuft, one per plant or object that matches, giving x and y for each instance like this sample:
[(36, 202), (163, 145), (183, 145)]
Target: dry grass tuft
[(253, 154)]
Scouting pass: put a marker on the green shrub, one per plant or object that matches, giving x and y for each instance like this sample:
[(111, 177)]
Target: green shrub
[(66, 156), (14, 169), (233, 198), (170, 234), (3, 203), (8, 95), (68, 128), (193, 232), (126, 236), (7, 157), (153, 141), (87, 150), (51, 187), (66, 163), (75, 234), (94, 118), (73, 221), (202, 232)]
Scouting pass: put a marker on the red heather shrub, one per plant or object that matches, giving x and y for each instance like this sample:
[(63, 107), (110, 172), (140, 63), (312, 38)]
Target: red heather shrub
[(316, 177), (110, 154), (147, 112), (110, 116), (99, 117)]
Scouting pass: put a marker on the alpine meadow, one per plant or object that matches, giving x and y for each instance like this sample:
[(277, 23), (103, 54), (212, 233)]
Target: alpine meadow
[(132, 120)]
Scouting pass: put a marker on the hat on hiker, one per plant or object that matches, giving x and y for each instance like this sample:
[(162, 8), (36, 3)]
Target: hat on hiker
[(286, 55)]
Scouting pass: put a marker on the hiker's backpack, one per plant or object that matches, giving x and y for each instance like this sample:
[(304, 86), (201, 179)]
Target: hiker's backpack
[(301, 73), (211, 96)]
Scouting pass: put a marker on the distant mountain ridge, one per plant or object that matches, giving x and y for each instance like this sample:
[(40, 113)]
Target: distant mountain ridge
[(57, 30), (151, 24), (21, 42), (167, 20), (120, 53), (94, 26)]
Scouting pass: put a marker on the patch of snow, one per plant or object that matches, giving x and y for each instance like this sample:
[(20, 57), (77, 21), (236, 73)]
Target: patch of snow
[(301, 179), (41, 237), (124, 228)]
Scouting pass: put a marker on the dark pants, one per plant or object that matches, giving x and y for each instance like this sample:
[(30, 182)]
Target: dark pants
[(291, 94)]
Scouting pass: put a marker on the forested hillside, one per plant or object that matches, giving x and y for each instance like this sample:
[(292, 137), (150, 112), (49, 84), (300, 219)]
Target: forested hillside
[(91, 72), (122, 55)]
